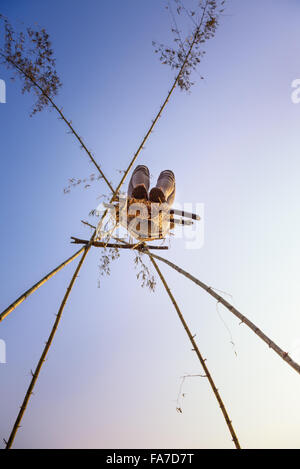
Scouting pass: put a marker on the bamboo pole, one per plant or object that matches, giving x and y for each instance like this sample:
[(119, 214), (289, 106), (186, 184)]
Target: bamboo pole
[(73, 131), (201, 359), (284, 355), (101, 244), (35, 375), (183, 213), (158, 115), (164, 103), (31, 290)]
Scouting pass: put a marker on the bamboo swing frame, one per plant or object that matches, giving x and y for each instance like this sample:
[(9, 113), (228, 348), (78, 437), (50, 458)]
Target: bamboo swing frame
[(143, 248)]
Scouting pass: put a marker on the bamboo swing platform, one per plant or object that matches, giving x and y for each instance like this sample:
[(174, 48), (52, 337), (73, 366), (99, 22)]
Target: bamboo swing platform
[(146, 220)]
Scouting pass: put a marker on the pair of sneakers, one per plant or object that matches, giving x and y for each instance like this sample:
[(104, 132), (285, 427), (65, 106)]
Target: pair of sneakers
[(156, 194)]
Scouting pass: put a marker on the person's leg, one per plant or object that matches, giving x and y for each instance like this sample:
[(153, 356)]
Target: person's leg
[(164, 191), (139, 183)]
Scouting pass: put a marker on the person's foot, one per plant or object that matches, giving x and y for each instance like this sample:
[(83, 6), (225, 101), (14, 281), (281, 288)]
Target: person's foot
[(157, 195), (140, 192)]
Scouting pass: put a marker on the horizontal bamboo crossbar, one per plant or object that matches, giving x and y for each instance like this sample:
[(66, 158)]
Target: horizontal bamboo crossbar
[(101, 244)]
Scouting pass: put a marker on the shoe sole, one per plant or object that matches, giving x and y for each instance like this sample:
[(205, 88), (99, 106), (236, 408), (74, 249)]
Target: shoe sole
[(157, 195), (140, 192)]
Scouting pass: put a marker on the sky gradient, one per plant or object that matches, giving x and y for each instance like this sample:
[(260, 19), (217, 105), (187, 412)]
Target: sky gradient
[(113, 373)]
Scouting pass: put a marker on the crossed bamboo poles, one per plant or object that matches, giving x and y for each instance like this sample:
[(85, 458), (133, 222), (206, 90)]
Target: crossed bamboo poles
[(143, 248), (87, 247)]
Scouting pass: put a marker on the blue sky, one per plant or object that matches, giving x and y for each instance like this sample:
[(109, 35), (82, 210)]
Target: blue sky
[(113, 374)]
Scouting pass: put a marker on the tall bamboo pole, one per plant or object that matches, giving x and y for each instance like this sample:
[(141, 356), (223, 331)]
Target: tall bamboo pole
[(196, 349), (284, 355), (59, 111), (44, 354), (158, 115), (31, 290)]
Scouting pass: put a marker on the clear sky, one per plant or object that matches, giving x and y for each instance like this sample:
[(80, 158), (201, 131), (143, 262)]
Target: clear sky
[(113, 374)]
